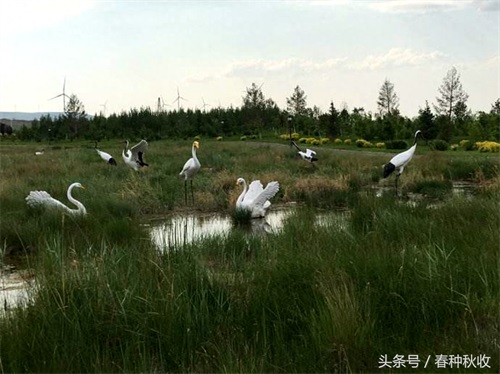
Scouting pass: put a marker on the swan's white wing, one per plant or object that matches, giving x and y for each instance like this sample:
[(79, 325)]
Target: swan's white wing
[(43, 198), (261, 201), (254, 190)]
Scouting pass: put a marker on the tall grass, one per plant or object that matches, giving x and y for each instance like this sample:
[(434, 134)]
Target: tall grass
[(399, 279), (396, 278)]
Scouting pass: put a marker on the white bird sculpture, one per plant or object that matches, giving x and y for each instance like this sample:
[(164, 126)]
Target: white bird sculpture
[(190, 169), (256, 198), (309, 155), (133, 157), (400, 161), (105, 156), (43, 199)]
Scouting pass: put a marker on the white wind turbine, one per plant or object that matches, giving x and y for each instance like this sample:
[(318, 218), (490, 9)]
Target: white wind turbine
[(161, 104), (204, 104), (104, 107), (63, 94), (178, 99)]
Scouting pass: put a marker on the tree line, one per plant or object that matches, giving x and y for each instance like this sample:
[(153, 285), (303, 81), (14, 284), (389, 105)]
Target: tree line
[(451, 118)]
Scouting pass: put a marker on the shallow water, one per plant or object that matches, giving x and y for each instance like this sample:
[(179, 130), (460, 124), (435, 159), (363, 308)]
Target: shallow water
[(13, 289), (180, 230)]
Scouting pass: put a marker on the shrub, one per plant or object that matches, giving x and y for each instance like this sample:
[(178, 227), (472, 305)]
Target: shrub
[(311, 140), (338, 141), (362, 143), (396, 144), (488, 146), (454, 147), (197, 137), (439, 145), (315, 142), (219, 138), (243, 137), (347, 141), (303, 140), (380, 145), (324, 140), (467, 145)]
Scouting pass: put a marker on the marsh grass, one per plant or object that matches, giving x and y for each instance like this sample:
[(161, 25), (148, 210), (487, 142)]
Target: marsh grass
[(394, 279)]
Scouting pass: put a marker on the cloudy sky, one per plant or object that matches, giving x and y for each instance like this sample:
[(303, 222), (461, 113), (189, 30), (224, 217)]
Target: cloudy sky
[(120, 55)]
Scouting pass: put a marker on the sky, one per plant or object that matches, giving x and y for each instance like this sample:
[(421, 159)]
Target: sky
[(119, 55)]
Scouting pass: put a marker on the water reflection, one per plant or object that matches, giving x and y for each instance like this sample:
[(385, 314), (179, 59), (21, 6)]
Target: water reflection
[(13, 289), (185, 229)]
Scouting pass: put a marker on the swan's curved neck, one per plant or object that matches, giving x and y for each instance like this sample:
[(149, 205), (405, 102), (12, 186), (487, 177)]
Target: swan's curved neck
[(80, 208), (242, 195), (193, 152)]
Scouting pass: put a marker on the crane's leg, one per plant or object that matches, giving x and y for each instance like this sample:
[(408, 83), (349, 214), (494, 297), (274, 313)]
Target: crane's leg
[(397, 177), (185, 192), (192, 193)]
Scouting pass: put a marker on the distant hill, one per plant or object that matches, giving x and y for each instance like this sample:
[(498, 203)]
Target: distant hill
[(26, 116)]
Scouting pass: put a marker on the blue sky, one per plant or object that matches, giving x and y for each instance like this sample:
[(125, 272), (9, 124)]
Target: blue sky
[(126, 54)]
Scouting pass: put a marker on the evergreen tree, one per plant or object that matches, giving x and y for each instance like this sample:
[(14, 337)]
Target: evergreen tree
[(426, 122), (388, 101), (296, 104), (451, 93)]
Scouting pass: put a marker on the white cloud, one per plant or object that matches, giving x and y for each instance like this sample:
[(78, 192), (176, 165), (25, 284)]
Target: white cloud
[(423, 6), (397, 57), (289, 65)]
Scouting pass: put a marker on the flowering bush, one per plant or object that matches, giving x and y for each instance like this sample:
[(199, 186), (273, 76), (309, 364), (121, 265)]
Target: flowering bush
[(295, 136), (454, 147), (380, 145), (467, 145), (338, 141), (347, 141), (219, 138), (243, 137), (488, 146), (324, 140), (362, 143), (197, 137)]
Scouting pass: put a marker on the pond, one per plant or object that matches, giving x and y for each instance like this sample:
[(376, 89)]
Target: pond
[(180, 230), (13, 288)]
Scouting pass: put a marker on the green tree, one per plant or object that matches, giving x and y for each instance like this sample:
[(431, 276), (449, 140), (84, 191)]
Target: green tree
[(388, 101), (426, 122), (451, 92), (74, 115), (297, 104)]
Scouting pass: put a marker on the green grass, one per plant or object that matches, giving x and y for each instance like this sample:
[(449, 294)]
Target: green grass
[(397, 278)]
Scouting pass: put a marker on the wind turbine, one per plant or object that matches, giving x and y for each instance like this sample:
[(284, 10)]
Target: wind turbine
[(178, 99), (161, 105), (103, 112), (204, 104), (63, 94)]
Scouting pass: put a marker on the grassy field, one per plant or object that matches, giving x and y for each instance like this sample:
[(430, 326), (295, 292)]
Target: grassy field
[(398, 279)]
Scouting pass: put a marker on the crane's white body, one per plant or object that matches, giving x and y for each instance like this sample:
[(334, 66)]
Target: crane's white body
[(106, 157), (256, 197), (400, 161), (309, 155), (43, 199), (192, 166), (133, 156)]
